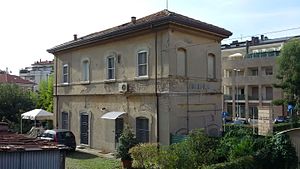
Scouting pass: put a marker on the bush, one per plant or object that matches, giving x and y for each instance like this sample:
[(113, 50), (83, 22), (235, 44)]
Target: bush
[(145, 155), (127, 141), (246, 162)]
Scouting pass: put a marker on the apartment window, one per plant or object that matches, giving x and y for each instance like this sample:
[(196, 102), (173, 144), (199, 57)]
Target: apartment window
[(211, 66), (85, 70), (142, 129), (269, 93), (111, 68), (65, 73), (181, 62), (253, 71), (268, 71), (142, 63)]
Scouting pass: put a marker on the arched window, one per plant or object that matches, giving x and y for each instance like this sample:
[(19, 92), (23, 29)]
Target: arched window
[(211, 66), (142, 129), (181, 62), (85, 70)]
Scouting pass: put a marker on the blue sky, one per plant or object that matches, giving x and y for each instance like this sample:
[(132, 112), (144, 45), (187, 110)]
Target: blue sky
[(30, 27)]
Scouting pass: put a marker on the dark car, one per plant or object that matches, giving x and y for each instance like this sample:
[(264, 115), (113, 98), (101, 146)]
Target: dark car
[(60, 136), (281, 119)]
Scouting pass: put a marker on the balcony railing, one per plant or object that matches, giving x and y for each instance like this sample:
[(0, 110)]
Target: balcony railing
[(262, 54), (227, 97)]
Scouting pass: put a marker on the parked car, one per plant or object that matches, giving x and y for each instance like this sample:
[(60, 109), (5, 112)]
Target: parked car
[(280, 119), (60, 136)]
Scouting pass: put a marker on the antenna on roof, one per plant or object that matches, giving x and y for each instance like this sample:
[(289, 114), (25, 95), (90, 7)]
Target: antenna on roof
[(167, 4)]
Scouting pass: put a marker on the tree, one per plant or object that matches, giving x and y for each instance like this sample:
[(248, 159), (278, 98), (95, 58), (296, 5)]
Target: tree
[(45, 95), (289, 71), (14, 101)]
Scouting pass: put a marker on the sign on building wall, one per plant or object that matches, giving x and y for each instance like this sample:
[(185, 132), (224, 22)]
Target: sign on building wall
[(265, 125)]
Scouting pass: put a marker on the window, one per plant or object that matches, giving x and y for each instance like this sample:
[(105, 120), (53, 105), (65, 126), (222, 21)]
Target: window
[(142, 130), (253, 71), (111, 68), (142, 64), (268, 71), (269, 93), (85, 70), (65, 73), (65, 120), (181, 62), (211, 66)]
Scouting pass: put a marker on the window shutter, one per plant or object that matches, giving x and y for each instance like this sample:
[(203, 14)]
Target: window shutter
[(137, 65), (105, 68)]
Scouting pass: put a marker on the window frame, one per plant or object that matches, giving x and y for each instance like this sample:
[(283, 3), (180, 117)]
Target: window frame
[(87, 75), (65, 74), (144, 64), (107, 68), (141, 131)]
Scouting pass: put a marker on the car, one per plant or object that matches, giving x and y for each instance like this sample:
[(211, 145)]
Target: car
[(280, 119), (60, 136)]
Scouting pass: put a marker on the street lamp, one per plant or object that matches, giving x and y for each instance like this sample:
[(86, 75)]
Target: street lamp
[(237, 91)]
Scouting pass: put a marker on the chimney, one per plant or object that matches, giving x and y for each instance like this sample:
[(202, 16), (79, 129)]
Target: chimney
[(75, 36), (262, 37), (133, 19)]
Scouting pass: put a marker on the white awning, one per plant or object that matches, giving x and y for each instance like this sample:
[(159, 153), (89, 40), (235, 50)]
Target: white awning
[(112, 115)]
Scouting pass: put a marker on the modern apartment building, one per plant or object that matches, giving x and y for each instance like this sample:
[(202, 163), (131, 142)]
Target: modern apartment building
[(248, 73), (159, 75), (39, 70)]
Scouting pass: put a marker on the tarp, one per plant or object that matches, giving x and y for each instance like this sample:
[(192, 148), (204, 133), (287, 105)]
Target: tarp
[(112, 115), (37, 114)]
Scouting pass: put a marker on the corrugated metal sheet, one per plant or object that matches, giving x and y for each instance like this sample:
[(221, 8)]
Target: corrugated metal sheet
[(43, 159)]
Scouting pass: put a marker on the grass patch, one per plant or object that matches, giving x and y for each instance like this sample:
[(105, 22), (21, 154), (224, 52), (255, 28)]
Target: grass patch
[(81, 160)]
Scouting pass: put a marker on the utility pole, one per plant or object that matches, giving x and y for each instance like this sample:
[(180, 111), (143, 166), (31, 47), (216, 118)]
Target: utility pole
[(167, 4)]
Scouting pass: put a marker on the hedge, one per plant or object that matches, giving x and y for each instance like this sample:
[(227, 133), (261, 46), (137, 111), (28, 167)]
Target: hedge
[(246, 162)]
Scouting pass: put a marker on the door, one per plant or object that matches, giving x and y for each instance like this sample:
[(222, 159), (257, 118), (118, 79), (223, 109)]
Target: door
[(118, 130), (84, 129)]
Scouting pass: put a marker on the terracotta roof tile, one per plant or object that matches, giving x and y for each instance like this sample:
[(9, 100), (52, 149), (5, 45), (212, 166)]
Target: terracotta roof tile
[(12, 79), (156, 19)]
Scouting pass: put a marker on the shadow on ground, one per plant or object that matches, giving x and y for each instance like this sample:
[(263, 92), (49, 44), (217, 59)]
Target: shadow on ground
[(80, 155)]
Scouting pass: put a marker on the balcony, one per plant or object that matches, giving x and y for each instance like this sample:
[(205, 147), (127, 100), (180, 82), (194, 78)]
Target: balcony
[(262, 54), (227, 97)]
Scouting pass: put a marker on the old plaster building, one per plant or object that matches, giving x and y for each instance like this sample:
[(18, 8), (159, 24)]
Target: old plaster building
[(159, 74), (249, 72)]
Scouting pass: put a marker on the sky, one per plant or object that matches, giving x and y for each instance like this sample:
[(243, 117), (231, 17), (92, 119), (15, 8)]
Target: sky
[(28, 28)]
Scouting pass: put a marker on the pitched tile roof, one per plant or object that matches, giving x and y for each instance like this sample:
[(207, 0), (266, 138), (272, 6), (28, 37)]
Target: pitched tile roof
[(7, 78), (154, 20)]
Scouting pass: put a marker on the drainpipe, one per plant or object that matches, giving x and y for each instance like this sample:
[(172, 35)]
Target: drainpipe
[(156, 94), (56, 96)]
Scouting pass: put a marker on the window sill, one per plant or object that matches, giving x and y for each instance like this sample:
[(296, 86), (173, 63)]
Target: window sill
[(142, 78), (212, 80), (110, 81), (85, 82)]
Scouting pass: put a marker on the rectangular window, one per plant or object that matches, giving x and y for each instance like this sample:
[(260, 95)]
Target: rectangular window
[(85, 70), (111, 68), (142, 63), (65, 120), (269, 93), (65, 73), (268, 71)]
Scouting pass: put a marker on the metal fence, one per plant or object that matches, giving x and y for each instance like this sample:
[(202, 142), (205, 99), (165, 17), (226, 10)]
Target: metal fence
[(40, 159)]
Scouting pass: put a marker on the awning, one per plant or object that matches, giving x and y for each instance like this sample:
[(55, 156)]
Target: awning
[(112, 115)]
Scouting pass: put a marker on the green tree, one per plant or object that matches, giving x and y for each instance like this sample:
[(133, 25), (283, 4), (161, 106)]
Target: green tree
[(45, 95), (289, 71), (14, 101)]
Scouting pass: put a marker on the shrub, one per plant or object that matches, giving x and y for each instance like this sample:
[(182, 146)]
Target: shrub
[(144, 155), (246, 162), (127, 141)]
